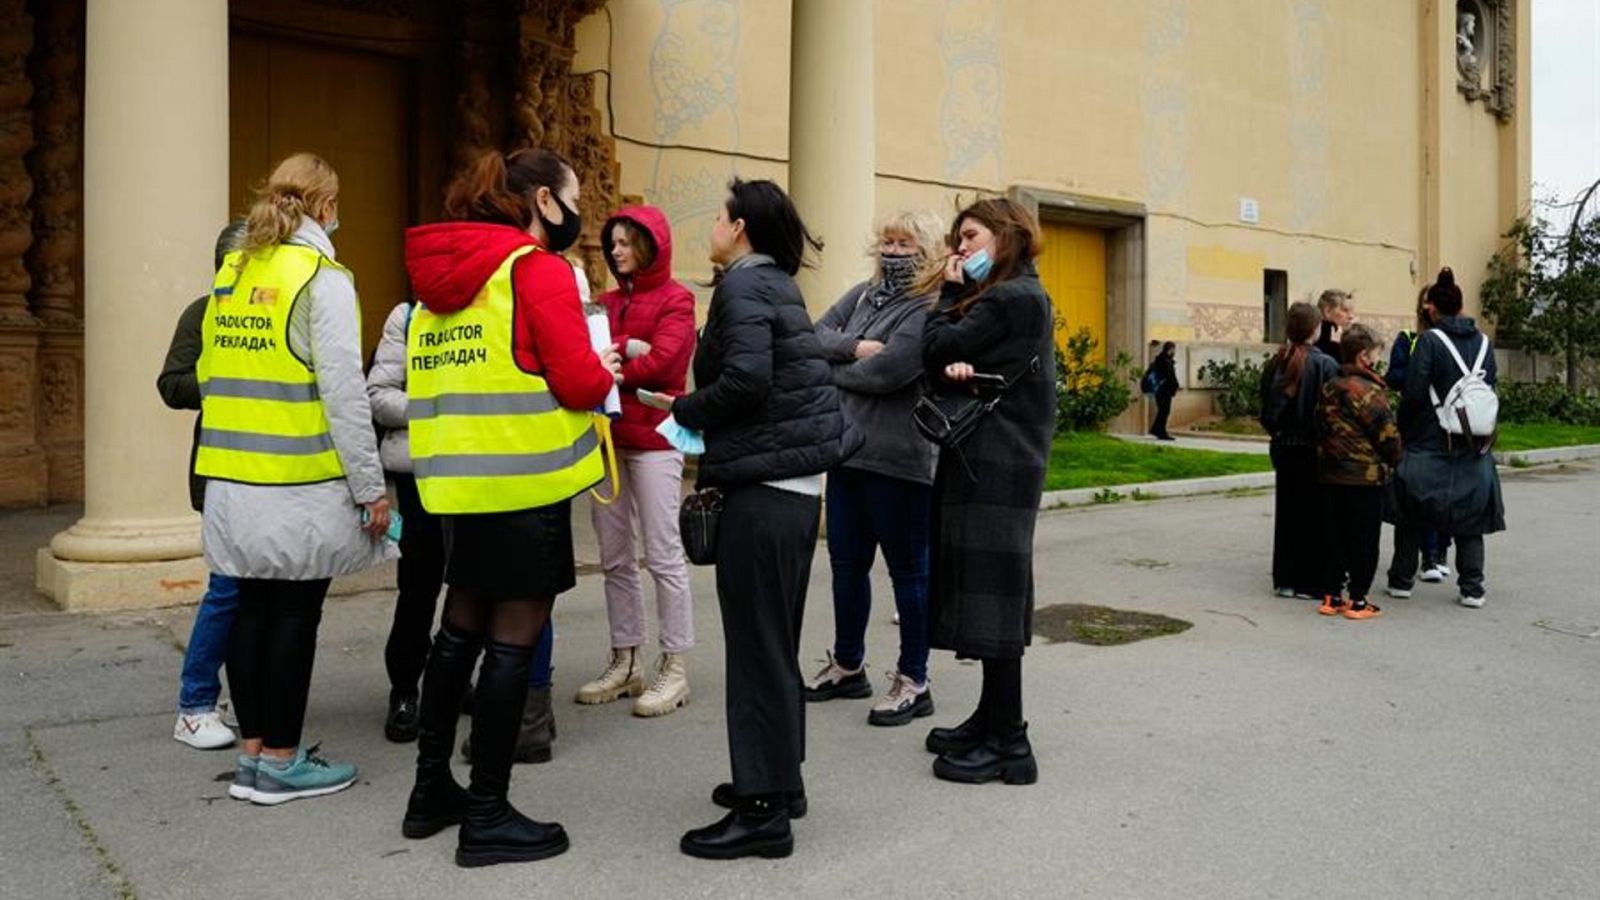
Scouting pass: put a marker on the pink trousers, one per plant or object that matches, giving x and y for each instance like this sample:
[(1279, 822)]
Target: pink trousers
[(652, 487)]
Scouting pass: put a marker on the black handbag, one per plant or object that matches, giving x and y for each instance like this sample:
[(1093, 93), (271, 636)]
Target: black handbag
[(948, 417), (698, 518)]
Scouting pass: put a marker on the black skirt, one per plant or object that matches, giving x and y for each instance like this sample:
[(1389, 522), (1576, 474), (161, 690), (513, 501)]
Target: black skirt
[(511, 555)]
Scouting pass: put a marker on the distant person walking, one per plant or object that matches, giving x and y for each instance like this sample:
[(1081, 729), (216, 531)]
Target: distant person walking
[(295, 493), (1291, 385), (1162, 376)]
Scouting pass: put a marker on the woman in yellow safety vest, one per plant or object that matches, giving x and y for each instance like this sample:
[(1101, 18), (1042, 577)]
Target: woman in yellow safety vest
[(501, 382), (295, 492)]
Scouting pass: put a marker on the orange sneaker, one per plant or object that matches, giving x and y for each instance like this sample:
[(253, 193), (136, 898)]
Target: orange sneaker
[(1331, 604), (1365, 611)]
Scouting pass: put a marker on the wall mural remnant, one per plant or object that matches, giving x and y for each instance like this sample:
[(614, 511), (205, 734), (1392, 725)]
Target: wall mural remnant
[(972, 106)]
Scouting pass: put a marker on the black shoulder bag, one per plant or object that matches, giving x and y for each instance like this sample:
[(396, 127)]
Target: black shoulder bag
[(698, 518), (949, 417)]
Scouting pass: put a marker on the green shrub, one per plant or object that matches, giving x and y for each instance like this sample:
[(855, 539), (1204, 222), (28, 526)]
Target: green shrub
[(1238, 386), (1090, 393), (1546, 401)]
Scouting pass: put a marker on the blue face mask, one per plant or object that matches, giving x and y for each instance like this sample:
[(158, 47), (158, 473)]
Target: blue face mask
[(977, 265)]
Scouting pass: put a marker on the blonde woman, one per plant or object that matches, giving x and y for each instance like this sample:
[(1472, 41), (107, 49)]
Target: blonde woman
[(295, 494), (880, 497)]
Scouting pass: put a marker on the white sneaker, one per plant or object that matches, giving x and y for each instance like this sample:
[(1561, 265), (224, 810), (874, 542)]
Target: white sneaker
[(1473, 602), (1399, 593), (1444, 570), (202, 731), (1432, 575), (895, 619)]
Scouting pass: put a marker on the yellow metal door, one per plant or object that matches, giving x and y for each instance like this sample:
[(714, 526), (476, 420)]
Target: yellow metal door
[(1073, 269)]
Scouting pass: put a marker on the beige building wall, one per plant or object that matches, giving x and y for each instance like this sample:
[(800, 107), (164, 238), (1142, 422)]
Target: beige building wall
[(1318, 110)]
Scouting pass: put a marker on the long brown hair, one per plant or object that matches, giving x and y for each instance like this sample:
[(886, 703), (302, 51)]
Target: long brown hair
[(1016, 244), (1303, 322), (500, 188), (298, 187)]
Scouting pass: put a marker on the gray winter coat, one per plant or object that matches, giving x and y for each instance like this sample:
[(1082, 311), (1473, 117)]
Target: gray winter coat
[(309, 531), (878, 392), (386, 390)]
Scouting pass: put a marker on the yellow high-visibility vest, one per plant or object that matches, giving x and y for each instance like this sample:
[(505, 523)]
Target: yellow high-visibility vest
[(487, 436), (262, 418)]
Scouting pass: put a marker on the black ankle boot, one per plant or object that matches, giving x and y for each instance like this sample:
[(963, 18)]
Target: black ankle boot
[(959, 739), (760, 827), (493, 831), (1007, 757), (400, 726), (437, 802)]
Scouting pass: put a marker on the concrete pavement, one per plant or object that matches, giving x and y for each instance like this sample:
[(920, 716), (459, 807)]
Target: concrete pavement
[(1266, 752)]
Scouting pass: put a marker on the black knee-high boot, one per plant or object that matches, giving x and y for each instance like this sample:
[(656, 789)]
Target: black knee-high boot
[(493, 831), (437, 802)]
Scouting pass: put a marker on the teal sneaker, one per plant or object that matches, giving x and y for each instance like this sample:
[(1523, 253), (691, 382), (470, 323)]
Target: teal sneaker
[(244, 778), (307, 775)]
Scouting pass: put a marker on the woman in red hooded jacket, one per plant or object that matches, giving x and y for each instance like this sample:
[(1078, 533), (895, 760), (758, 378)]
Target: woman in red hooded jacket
[(652, 318)]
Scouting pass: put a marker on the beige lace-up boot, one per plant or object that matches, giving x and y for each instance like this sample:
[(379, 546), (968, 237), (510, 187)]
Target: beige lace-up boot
[(669, 689), (622, 678)]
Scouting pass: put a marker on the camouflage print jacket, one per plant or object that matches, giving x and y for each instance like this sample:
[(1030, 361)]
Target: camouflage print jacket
[(1359, 439)]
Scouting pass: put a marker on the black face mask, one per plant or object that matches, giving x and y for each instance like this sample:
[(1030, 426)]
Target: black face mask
[(560, 237)]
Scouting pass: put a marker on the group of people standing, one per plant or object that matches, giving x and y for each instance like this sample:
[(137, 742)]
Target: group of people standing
[(1346, 461), (480, 408)]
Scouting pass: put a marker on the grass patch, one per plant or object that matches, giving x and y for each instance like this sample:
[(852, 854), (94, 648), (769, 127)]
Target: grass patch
[(1090, 459), (1524, 436)]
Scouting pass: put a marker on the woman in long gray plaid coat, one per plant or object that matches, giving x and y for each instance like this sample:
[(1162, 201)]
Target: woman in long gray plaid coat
[(993, 318)]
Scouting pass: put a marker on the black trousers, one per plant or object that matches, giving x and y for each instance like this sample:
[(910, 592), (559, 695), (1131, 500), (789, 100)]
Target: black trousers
[(1297, 529), (421, 575), (765, 542), (1163, 410), (270, 653), (1356, 514), (1408, 543)]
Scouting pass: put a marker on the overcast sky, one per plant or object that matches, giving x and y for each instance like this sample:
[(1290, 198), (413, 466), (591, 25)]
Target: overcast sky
[(1566, 96)]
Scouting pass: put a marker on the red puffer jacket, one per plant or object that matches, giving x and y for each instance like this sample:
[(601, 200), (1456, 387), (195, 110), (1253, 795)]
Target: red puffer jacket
[(653, 308), (449, 262)]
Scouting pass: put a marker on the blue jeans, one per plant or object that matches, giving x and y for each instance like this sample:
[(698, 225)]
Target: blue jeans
[(867, 511), (199, 686), (540, 673)]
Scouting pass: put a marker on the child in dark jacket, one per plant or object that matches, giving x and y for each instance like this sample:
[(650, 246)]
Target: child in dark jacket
[(1357, 453)]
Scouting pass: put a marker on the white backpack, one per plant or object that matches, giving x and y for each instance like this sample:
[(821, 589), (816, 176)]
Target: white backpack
[(1470, 407)]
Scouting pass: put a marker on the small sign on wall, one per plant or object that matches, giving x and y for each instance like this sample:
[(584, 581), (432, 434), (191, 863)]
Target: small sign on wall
[(1249, 211)]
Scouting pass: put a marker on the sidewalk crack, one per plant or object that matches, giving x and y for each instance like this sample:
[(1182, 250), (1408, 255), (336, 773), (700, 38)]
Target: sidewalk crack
[(113, 870)]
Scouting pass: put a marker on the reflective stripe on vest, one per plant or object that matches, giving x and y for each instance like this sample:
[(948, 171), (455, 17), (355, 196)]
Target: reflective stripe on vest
[(485, 435), (263, 418)]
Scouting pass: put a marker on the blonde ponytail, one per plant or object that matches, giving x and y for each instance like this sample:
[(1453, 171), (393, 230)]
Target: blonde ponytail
[(300, 184)]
